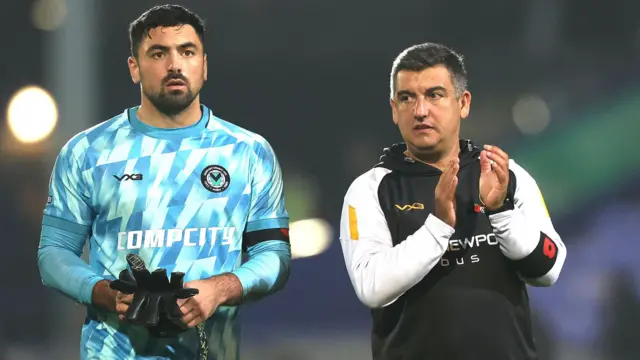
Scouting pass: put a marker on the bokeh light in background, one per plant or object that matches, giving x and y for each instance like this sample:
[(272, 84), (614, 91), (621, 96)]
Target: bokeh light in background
[(309, 237), (531, 114), (547, 85), (32, 114), (48, 15)]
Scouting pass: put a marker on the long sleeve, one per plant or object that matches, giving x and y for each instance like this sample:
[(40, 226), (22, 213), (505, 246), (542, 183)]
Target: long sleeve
[(66, 224), (266, 237), (526, 233), (266, 271), (60, 263), (380, 272)]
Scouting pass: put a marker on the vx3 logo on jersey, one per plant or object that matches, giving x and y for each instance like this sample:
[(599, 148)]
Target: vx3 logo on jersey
[(414, 206), (133, 177)]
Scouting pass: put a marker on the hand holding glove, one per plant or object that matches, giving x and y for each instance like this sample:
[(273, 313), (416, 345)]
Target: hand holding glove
[(154, 303)]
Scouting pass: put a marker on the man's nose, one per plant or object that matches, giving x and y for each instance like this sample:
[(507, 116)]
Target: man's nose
[(175, 64), (421, 108)]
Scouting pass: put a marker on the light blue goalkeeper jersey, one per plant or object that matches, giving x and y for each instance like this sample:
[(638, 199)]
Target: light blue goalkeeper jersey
[(183, 199)]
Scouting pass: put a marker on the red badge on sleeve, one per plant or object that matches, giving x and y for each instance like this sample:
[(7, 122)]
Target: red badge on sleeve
[(549, 248)]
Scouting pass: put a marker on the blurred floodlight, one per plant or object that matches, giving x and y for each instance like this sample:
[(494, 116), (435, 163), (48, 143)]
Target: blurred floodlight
[(309, 237), (32, 114), (48, 15), (531, 114)]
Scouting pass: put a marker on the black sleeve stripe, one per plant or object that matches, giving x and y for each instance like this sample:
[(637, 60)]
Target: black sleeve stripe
[(541, 260), (252, 238)]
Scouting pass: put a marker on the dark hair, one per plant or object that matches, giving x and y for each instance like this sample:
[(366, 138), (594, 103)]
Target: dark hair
[(423, 56), (162, 16)]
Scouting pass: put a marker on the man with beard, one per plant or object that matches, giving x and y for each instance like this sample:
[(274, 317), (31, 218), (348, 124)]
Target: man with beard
[(182, 189)]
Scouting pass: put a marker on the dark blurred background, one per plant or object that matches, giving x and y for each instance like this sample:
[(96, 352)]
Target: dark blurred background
[(554, 82)]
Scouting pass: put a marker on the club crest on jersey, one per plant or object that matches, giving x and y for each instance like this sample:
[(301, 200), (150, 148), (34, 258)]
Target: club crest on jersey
[(215, 178)]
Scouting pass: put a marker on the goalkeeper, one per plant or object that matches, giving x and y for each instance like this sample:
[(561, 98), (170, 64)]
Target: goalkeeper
[(183, 190)]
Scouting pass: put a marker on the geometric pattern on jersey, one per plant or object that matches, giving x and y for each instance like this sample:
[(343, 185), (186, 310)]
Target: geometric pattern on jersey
[(142, 190)]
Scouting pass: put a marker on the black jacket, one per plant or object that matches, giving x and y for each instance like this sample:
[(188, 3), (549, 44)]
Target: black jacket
[(438, 292)]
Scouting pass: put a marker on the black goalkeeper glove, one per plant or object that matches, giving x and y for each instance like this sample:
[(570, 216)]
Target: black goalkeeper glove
[(154, 302)]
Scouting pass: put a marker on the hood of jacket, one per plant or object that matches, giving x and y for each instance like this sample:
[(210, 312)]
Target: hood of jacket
[(394, 158)]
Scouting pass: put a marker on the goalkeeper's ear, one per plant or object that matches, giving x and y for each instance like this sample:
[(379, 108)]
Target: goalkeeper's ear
[(134, 70)]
